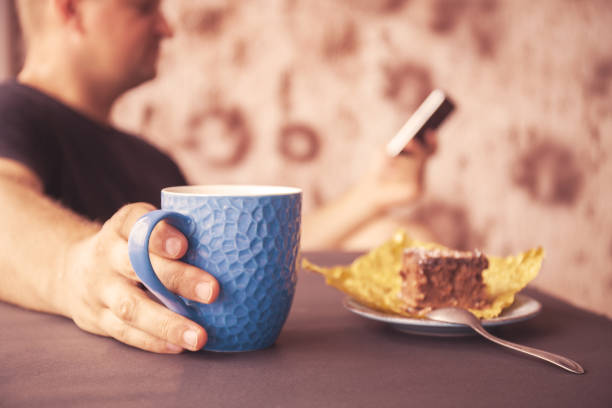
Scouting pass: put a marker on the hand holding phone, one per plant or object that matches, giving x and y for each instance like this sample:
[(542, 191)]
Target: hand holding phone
[(429, 115)]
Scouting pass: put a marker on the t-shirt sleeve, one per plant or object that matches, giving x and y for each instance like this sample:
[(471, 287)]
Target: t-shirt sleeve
[(23, 136)]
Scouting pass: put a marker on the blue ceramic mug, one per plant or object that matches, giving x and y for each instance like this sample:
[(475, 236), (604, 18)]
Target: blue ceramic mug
[(248, 238)]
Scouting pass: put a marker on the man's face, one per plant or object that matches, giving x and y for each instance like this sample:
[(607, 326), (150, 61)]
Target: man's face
[(121, 41)]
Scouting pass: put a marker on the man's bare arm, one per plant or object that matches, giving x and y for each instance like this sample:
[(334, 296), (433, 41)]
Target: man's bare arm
[(53, 260), (36, 233)]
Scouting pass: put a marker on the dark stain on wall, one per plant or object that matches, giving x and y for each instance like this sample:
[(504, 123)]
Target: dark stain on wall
[(290, 6), (450, 224), (601, 78), (594, 133), (407, 85), (549, 173), (598, 155), (589, 211), (378, 6), (190, 143), (299, 142), (317, 196), (488, 6), (236, 135), (445, 15), (485, 41), (385, 37), (206, 21), (284, 90), (513, 136), (391, 6), (341, 41), (532, 135), (486, 30), (506, 248), (239, 56), (580, 257), (463, 162), (347, 124)]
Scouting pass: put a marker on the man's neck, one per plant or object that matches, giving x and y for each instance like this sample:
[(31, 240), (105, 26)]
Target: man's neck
[(69, 89)]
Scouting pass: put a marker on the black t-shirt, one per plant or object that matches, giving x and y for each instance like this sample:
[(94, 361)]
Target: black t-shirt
[(89, 167)]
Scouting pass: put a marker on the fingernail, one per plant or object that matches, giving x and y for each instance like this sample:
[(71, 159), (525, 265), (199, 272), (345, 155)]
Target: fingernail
[(173, 348), (190, 338), (172, 246), (204, 291)]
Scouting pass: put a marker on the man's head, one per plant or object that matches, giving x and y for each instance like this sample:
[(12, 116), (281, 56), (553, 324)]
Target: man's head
[(110, 44)]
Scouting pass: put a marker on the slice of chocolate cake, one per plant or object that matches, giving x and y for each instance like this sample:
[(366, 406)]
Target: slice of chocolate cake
[(440, 278)]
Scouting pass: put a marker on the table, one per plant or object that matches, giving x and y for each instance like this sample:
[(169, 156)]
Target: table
[(325, 357)]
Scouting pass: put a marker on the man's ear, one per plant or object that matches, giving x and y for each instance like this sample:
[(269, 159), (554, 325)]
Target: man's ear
[(69, 11)]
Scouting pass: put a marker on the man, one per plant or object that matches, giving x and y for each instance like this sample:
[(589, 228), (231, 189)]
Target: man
[(66, 176)]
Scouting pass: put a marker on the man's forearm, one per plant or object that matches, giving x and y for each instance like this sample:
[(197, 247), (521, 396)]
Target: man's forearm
[(329, 225), (36, 233)]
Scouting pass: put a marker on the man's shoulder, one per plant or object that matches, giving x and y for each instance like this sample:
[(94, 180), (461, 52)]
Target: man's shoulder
[(15, 101), (27, 125), (11, 89)]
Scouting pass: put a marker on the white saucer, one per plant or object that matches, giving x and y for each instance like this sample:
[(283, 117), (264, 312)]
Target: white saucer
[(523, 308)]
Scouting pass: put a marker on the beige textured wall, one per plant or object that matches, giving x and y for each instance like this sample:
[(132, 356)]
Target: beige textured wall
[(300, 91)]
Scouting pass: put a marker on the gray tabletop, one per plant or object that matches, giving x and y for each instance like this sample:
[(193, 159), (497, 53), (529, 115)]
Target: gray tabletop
[(326, 356)]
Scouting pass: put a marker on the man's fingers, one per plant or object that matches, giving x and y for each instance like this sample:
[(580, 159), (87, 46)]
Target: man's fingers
[(127, 334), (125, 218), (165, 240), (186, 280), (415, 147), (431, 141), (133, 308), (179, 277)]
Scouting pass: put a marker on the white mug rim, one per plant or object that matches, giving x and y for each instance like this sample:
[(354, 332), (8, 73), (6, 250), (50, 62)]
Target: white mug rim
[(231, 190)]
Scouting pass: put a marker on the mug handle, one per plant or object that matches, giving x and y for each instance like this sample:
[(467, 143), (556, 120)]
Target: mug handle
[(138, 249)]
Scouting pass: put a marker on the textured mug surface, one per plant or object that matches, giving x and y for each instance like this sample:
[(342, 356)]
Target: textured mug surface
[(248, 238)]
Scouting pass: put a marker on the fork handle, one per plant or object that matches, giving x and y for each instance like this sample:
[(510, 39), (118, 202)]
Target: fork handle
[(563, 362)]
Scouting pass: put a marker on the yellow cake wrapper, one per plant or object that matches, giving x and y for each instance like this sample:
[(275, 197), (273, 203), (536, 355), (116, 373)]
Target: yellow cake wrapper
[(373, 279)]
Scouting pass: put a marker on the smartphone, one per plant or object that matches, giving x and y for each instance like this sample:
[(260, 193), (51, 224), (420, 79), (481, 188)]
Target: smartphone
[(432, 112)]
